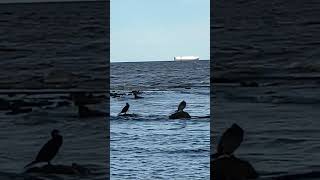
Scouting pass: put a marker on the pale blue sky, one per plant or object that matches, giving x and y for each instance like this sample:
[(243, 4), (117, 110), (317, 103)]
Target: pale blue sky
[(155, 30)]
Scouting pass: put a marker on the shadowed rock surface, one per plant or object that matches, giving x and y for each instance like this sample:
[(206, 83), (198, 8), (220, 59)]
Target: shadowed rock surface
[(179, 115), (74, 169)]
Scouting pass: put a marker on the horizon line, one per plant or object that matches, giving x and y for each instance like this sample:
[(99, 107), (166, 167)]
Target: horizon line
[(157, 61)]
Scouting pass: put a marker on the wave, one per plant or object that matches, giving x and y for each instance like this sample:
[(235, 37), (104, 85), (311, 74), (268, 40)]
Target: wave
[(300, 176), (273, 99), (159, 87), (155, 117)]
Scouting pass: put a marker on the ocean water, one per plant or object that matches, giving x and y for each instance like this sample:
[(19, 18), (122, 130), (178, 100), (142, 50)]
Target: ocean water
[(149, 145), (55, 47), (265, 77)]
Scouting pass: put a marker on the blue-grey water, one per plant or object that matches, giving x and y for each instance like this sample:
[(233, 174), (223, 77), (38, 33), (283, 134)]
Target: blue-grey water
[(150, 146), (266, 78)]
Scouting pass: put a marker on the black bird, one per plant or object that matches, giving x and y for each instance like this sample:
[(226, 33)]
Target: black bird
[(135, 94), (49, 150), (181, 106), (125, 109), (230, 140)]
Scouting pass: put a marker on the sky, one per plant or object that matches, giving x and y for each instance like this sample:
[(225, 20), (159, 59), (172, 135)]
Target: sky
[(158, 30)]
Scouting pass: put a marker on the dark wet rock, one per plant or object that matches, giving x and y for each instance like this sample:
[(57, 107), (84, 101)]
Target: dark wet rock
[(85, 112), (270, 92), (115, 95), (180, 115), (22, 103), (63, 103), (230, 167), (84, 98), (74, 169), (128, 115), (136, 96), (136, 92), (18, 110), (4, 104), (249, 84)]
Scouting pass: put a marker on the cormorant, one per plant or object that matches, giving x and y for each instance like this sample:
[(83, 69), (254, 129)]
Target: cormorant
[(230, 140), (181, 106), (125, 109), (135, 94), (49, 150)]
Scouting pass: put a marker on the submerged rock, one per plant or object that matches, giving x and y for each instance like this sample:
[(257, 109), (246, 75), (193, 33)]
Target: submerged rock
[(85, 112), (128, 115), (74, 169), (4, 104), (180, 115), (230, 167), (82, 98), (249, 84), (18, 110)]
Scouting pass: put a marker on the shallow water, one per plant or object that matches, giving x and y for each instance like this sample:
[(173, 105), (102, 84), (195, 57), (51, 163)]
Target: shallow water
[(150, 146)]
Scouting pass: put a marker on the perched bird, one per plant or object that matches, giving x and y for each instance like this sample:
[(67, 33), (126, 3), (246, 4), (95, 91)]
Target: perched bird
[(230, 140), (125, 109), (181, 106), (49, 150), (135, 94)]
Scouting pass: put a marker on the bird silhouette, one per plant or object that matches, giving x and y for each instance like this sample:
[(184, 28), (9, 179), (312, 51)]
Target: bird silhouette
[(181, 106), (125, 109), (49, 150), (230, 140)]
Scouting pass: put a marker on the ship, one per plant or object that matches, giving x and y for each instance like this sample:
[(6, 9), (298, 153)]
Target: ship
[(186, 58)]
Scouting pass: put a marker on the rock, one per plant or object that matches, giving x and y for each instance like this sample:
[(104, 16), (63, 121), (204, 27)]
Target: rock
[(249, 84), (180, 115), (18, 110), (74, 169), (63, 103), (230, 167), (85, 112), (22, 103), (83, 99), (128, 115), (4, 104)]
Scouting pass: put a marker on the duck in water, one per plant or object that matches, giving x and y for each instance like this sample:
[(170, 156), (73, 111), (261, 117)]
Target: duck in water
[(225, 166), (49, 150)]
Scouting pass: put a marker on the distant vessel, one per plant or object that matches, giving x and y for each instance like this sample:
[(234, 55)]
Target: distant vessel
[(186, 58)]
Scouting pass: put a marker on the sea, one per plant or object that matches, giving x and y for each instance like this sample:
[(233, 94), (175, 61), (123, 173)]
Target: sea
[(48, 50), (266, 77), (149, 145)]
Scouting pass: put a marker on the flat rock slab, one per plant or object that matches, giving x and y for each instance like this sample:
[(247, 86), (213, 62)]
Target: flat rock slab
[(74, 169), (180, 115)]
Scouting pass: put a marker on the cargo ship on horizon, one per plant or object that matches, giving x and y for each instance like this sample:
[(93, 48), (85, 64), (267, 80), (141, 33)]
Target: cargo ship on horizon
[(186, 58)]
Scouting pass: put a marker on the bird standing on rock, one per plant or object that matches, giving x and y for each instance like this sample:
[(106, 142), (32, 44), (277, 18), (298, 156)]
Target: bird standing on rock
[(49, 150), (181, 106), (125, 109)]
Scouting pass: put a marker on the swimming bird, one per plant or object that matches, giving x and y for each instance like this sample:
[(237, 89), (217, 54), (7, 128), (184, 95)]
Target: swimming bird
[(49, 150), (125, 109), (181, 106)]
